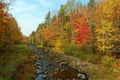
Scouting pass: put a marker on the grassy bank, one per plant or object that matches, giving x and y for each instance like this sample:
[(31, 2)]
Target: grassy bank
[(18, 64), (106, 67)]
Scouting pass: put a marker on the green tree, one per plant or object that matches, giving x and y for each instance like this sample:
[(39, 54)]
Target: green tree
[(32, 38), (39, 35), (48, 18)]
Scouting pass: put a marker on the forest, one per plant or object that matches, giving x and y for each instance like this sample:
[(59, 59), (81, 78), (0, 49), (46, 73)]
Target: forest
[(93, 28), (10, 33), (89, 32)]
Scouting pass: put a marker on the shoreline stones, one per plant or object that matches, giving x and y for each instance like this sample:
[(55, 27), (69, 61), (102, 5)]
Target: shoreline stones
[(64, 65), (82, 76)]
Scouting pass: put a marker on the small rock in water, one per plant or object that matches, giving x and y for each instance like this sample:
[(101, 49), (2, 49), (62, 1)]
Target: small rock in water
[(44, 76), (82, 76), (46, 50), (39, 67), (40, 57), (37, 64), (57, 69), (45, 69), (39, 72), (63, 64), (62, 70), (45, 72)]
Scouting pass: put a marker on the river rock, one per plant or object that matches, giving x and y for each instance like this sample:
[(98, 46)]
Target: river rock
[(82, 76), (63, 64), (40, 57), (62, 70), (57, 69), (44, 76)]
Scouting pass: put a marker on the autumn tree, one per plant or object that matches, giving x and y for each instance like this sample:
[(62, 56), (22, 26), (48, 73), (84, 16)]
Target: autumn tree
[(108, 31), (32, 38), (4, 30), (90, 16), (39, 35), (10, 33), (82, 31), (15, 33)]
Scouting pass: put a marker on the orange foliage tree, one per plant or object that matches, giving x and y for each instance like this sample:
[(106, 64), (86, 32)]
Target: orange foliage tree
[(6, 28)]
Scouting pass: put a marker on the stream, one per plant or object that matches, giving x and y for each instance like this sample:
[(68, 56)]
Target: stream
[(51, 67)]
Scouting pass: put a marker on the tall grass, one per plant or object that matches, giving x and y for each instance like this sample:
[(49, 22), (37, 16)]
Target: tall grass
[(83, 54), (11, 62)]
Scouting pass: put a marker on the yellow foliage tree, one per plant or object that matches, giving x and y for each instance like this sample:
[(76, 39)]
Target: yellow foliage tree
[(107, 30)]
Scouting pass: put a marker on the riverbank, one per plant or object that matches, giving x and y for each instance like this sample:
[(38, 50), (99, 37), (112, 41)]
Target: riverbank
[(106, 70), (94, 71), (18, 64)]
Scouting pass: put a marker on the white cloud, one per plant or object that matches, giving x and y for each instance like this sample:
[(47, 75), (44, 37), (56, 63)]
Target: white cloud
[(21, 9), (22, 6), (45, 3), (30, 13)]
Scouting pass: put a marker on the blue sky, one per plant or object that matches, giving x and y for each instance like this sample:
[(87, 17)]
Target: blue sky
[(30, 13)]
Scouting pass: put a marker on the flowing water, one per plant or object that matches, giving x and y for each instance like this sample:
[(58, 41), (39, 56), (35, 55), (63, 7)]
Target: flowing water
[(51, 68)]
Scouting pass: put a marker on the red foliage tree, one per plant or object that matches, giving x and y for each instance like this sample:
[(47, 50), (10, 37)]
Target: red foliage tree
[(81, 28), (82, 34)]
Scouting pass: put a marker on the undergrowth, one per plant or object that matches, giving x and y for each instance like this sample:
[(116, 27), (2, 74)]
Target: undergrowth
[(16, 63)]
